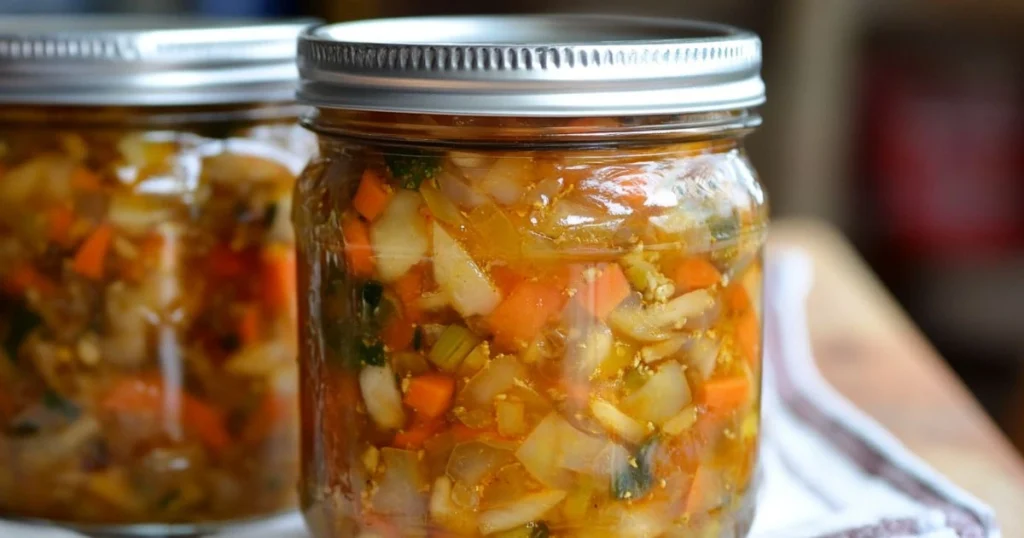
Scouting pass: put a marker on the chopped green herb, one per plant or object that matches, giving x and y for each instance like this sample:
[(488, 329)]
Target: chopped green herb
[(372, 294), (371, 354), (417, 338), (412, 168), (632, 479)]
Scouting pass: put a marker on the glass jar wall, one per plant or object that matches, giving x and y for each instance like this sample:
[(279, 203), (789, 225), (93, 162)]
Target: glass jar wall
[(527, 327)]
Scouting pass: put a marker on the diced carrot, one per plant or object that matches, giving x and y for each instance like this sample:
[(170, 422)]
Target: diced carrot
[(59, 220), (358, 252), (417, 434), (146, 395), (372, 195), (602, 294), (696, 273), (748, 337), (505, 278), (24, 277), (83, 179), (398, 333), (279, 279), (224, 262), (249, 325), (520, 317), (736, 298), (409, 288), (90, 258), (725, 395), (430, 395)]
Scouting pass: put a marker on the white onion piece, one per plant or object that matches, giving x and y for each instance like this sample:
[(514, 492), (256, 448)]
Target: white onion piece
[(399, 236), (529, 508), (381, 396), (661, 397), (470, 289)]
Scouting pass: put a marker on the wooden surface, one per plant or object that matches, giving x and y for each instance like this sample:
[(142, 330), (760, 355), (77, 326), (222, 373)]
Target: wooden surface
[(869, 349)]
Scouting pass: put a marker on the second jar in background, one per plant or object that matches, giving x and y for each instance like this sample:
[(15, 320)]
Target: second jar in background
[(147, 374)]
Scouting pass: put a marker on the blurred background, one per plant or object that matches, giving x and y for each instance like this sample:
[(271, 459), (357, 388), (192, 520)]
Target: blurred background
[(900, 121)]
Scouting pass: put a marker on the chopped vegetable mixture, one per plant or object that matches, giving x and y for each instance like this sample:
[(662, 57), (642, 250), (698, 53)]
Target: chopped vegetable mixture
[(148, 319), (530, 343)]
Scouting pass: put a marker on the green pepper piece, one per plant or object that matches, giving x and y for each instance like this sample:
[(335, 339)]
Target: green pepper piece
[(371, 354), (633, 478), (412, 168)]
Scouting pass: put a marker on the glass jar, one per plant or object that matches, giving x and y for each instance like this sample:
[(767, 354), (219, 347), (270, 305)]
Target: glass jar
[(530, 264), (148, 318)]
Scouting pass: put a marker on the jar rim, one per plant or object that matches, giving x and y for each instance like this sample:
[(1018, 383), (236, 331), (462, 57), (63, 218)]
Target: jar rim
[(531, 65), (109, 60)]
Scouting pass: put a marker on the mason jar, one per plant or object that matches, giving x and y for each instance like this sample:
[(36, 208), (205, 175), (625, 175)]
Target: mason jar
[(148, 317), (530, 275)]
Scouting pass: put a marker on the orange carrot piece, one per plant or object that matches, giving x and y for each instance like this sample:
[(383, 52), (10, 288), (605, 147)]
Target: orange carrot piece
[(59, 220), (24, 277), (146, 395), (249, 325), (601, 295), (725, 395), (222, 261), (696, 273), (409, 288), (413, 437), (430, 395), (748, 337), (520, 317), (372, 195), (398, 333), (279, 279), (505, 278), (83, 179), (736, 299), (358, 252), (92, 254)]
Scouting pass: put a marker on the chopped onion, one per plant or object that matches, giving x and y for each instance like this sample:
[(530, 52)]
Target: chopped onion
[(458, 191), (506, 178), (470, 464), (653, 323), (662, 350), (703, 356), (474, 404), (441, 207), (664, 395), (399, 489), (540, 456), (683, 421), (526, 509), (399, 236), (381, 396), (617, 422), (445, 512), (469, 288)]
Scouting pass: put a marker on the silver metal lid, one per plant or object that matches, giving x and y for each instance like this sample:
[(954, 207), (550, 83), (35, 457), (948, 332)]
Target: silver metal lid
[(146, 61), (543, 65)]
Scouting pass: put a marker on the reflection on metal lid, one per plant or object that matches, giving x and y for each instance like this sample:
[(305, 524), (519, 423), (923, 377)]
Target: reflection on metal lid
[(166, 61), (555, 65)]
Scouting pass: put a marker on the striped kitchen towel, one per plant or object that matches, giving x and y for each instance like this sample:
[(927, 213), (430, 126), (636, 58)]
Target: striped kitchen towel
[(829, 470)]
